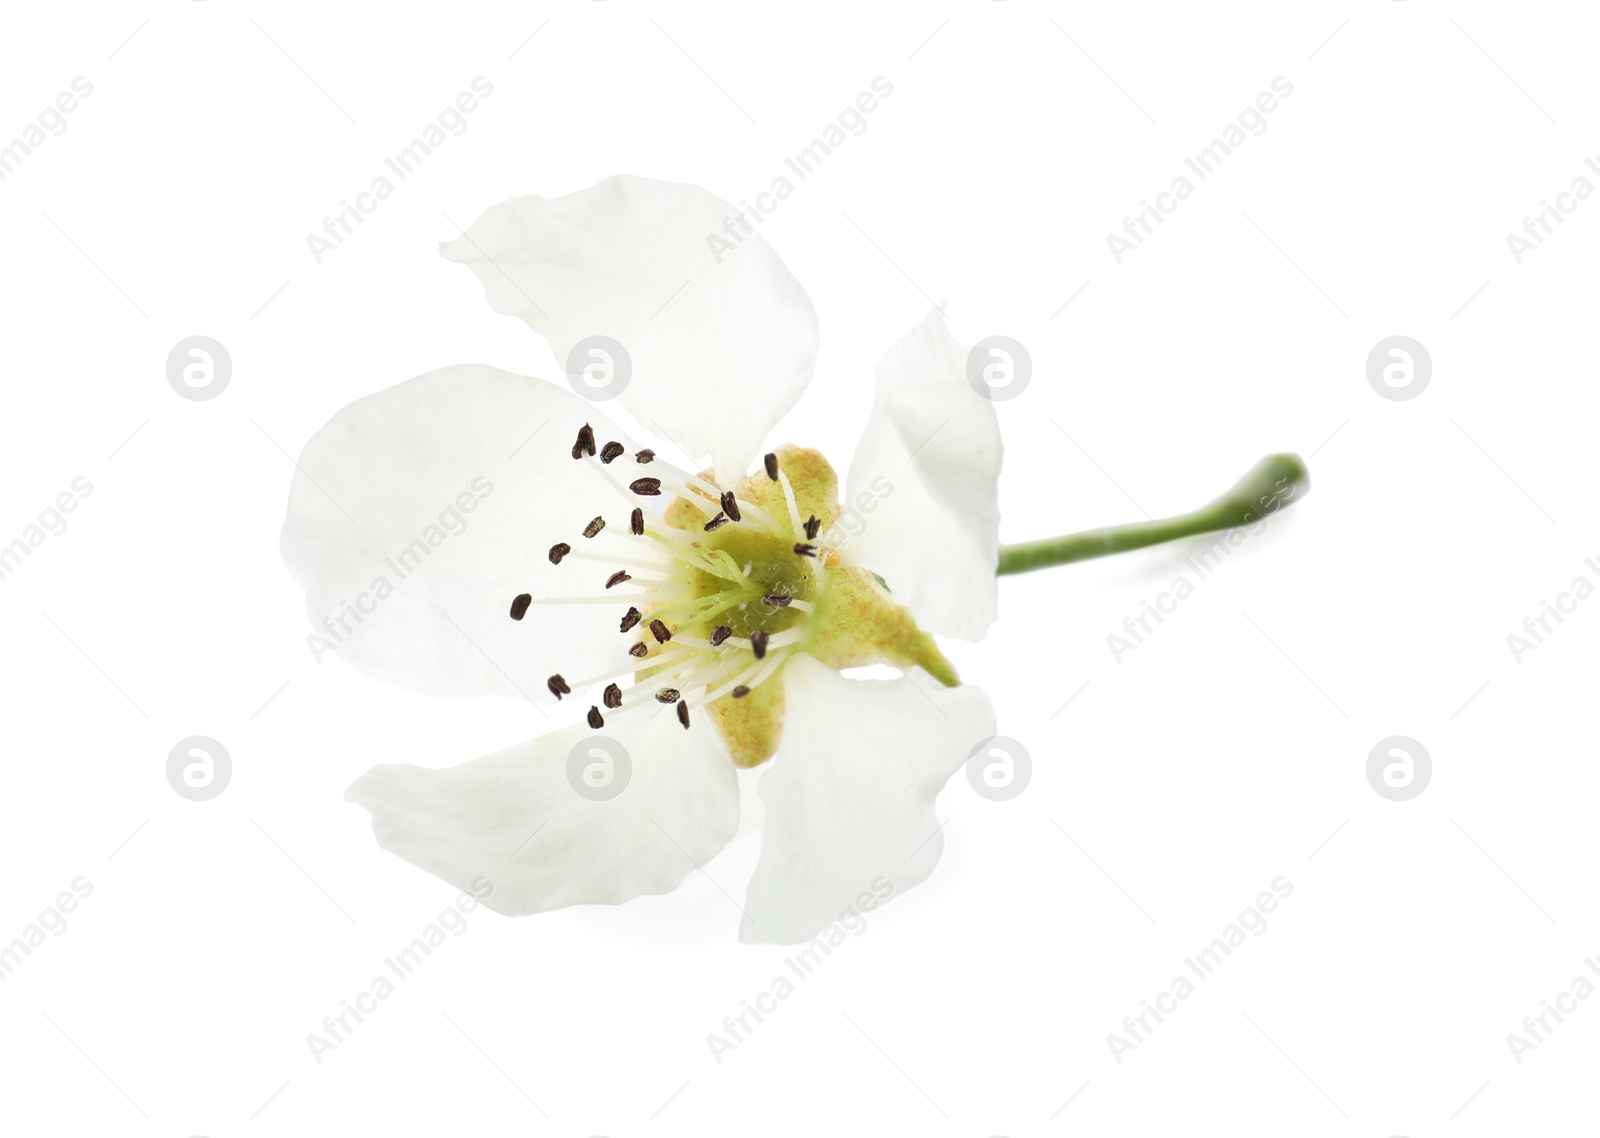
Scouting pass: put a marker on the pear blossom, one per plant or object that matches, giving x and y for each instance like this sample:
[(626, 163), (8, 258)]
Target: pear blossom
[(507, 538)]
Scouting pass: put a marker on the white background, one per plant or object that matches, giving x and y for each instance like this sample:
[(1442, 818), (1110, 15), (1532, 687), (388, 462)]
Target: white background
[(1227, 750)]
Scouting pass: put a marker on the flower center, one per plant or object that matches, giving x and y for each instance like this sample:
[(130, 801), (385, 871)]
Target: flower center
[(717, 593)]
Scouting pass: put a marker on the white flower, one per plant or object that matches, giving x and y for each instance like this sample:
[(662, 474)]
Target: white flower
[(446, 500)]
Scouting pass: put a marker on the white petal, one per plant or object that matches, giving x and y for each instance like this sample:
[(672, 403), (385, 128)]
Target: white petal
[(849, 795), (514, 819), (930, 461), (721, 336), (417, 514)]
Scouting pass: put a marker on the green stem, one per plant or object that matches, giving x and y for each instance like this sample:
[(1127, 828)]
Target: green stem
[(1276, 481)]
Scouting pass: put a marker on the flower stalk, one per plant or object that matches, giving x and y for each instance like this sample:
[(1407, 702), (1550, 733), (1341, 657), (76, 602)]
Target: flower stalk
[(1276, 481)]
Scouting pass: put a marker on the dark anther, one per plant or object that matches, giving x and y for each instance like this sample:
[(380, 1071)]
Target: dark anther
[(805, 550), (646, 487), (612, 696), (611, 452), (730, 505), (596, 720), (559, 550), (636, 522), (771, 462), (585, 443), (721, 633), (618, 577), (646, 455), (660, 632), (813, 524), (720, 520), (776, 600), (740, 692), (594, 527), (683, 715), (632, 617), (758, 642), (638, 650), (558, 686), (519, 607), (667, 695)]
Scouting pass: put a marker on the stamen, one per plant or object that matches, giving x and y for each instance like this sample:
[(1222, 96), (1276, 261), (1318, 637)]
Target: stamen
[(788, 500), (713, 678), (721, 633), (636, 522), (773, 663), (693, 488), (614, 482), (771, 462), (702, 609), (805, 550), (594, 527), (670, 658), (717, 676), (720, 520), (813, 524), (559, 550), (618, 577), (730, 504), (585, 443), (654, 565), (683, 715), (558, 686), (646, 487), (676, 585), (680, 540), (519, 607), (612, 697), (660, 632), (638, 650), (612, 452), (632, 617), (758, 642), (776, 600), (596, 720), (667, 695), (646, 455), (611, 600), (749, 678), (740, 692)]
